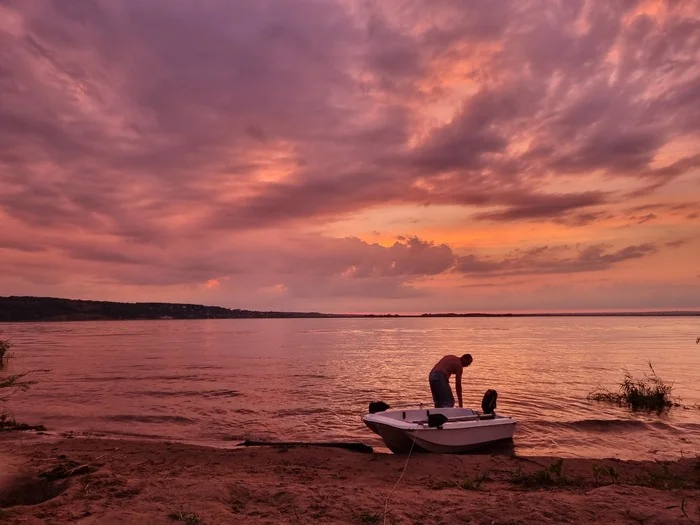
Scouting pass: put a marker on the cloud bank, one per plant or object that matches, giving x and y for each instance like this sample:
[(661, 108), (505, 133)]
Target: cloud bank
[(148, 148)]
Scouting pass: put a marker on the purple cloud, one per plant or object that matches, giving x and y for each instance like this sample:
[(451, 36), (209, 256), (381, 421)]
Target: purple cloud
[(578, 219), (551, 260), (169, 143), (172, 95), (645, 218), (545, 206)]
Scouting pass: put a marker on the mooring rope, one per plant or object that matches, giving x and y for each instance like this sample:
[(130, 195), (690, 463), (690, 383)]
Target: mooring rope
[(386, 502)]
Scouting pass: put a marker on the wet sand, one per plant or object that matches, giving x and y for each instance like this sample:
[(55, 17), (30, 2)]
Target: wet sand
[(99, 481)]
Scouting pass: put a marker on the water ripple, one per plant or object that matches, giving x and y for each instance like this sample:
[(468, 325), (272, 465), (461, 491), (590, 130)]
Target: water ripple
[(296, 379)]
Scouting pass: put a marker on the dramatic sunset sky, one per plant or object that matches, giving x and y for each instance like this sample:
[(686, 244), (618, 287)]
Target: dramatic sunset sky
[(352, 156)]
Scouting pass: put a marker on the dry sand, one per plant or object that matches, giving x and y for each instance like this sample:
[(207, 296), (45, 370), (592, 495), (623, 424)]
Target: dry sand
[(98, 481)]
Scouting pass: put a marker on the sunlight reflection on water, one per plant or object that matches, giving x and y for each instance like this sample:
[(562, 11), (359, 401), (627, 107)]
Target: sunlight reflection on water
[(311, 379)]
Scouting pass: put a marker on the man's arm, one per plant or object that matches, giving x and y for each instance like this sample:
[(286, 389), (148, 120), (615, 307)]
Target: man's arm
[(458, 387)]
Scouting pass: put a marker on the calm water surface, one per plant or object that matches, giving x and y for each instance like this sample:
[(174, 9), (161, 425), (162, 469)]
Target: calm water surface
[(221, 381)]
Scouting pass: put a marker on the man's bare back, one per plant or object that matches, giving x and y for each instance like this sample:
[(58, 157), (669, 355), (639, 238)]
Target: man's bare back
[(449, 365)]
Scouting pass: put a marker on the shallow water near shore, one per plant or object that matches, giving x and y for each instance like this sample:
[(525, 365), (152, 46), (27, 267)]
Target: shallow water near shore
[(216, 382)]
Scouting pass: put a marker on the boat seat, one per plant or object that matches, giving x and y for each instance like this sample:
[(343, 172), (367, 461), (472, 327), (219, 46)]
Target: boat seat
[(448, 420), (475, 417)]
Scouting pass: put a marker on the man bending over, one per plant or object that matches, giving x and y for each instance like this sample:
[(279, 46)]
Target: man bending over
[(439, 379)]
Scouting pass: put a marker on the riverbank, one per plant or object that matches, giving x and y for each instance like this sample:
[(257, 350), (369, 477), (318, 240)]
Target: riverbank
[(98, 481)]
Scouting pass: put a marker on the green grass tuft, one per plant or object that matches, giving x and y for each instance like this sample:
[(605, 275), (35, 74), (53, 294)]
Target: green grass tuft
[(662, 479), (466, 483), (549, 477), (648, 393), (188, 518), (602, 473), (474, 484), (368, 517)]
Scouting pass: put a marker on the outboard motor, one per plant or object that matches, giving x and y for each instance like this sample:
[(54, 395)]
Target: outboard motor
[(377, 406), (488, 404)]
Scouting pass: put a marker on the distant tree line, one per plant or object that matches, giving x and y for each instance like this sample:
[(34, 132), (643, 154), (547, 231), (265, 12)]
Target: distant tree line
[(16, 309)]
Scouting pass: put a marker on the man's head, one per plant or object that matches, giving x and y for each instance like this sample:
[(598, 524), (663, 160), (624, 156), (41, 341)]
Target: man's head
[(466, 359)]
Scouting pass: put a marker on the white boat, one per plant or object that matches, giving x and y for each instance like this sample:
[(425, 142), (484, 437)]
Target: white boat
[(439, 430)]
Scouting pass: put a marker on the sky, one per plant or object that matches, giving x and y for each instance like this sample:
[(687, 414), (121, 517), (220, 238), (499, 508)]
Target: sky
[(352, 156)]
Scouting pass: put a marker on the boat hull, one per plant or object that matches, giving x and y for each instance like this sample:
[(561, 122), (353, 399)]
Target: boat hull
[(441, 441), (398, 441), (402, 436)]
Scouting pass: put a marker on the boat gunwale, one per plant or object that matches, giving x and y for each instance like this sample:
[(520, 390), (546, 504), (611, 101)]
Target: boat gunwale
[(399, 424)]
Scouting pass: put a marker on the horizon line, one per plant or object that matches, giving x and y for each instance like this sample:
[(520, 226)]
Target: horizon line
[(516, 313)]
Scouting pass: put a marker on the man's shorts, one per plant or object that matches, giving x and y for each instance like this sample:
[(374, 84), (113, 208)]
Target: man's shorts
[(440, 388)]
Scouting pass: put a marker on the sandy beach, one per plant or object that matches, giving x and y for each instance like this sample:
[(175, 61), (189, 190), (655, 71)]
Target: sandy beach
[(100, 481)]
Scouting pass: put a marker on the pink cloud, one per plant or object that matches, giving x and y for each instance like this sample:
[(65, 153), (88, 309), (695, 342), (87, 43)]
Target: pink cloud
[(164, 144)]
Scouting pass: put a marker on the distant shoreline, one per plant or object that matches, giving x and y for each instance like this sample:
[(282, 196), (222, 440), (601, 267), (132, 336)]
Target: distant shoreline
[(49, 309)]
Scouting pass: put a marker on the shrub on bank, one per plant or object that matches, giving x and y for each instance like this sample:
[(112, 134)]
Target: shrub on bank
[(646, 393), (5, 346), (10, 384)]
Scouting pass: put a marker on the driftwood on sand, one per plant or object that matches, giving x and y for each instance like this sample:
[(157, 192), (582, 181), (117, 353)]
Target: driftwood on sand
[(356, 447)]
